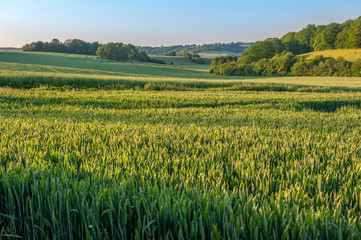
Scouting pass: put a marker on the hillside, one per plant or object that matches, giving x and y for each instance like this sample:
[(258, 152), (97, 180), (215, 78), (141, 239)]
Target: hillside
[(76, 63), (30, 69), (348, 54)]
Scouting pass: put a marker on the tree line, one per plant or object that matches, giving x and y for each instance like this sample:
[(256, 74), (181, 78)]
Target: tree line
[(275, 56), (112, 51), (287, 63), (76, 46)]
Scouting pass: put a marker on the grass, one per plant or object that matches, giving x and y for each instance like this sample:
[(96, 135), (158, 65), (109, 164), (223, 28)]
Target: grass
[(349, 54), (179, 165)]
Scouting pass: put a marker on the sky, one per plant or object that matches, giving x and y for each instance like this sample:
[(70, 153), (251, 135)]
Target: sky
[(164, 22)]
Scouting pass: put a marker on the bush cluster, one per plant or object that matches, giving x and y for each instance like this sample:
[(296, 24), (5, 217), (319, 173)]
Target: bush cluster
[(287, 64), (193, 57)]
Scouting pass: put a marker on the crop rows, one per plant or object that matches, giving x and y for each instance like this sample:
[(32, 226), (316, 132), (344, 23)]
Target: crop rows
[(179, 165)]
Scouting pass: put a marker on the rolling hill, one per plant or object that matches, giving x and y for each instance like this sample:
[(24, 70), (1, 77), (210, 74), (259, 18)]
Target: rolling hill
[(32, 69), (348, 54)]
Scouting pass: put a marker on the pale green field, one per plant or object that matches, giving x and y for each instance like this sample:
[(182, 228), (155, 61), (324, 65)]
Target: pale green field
[(349, 54)]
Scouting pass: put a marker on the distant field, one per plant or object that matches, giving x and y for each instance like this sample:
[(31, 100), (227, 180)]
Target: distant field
[(9, 49), (213, 54), (349, 54), (25, 69)]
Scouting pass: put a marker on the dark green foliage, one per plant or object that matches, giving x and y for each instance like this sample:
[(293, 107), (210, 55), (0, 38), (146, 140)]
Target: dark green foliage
[(217, 61), (327, 37), (171, 53), (114, 51), (262, 49), (124, 52), (69, 46), (278, 65), (321, 66), (286, 64), (193, 57), (305, 37), (354, 35), (159, 61), (342, 38), (356, 68), (292, 45)]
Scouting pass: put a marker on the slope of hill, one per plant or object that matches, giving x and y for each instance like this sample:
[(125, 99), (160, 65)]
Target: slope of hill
[(348, 54), (32, 69)]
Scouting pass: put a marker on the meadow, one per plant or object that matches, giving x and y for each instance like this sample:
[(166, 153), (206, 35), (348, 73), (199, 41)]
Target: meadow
[(209, 162)]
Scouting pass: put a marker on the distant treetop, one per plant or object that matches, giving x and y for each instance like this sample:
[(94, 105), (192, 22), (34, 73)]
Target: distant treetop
[(69, 46)]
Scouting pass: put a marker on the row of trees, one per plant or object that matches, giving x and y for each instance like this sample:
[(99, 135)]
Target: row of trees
[(111, 51), (69, 46), (287, 63), (280, 53), (124, 52)]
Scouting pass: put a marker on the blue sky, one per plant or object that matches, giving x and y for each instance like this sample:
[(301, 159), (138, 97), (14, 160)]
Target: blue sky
[(162, 22)]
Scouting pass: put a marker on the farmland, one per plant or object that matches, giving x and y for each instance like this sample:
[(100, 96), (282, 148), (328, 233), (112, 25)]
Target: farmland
[(89, 151)]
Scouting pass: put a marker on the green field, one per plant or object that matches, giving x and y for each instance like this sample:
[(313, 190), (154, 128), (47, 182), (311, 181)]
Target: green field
[(89, 151)]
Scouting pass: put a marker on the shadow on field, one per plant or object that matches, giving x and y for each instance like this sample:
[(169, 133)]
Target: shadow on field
[(327, 106), (123, 103)]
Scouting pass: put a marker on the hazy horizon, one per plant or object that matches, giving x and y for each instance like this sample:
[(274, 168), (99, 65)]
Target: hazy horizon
[(156, 23)]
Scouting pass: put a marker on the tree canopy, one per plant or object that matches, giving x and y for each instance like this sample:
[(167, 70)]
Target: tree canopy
[(124, 52)]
